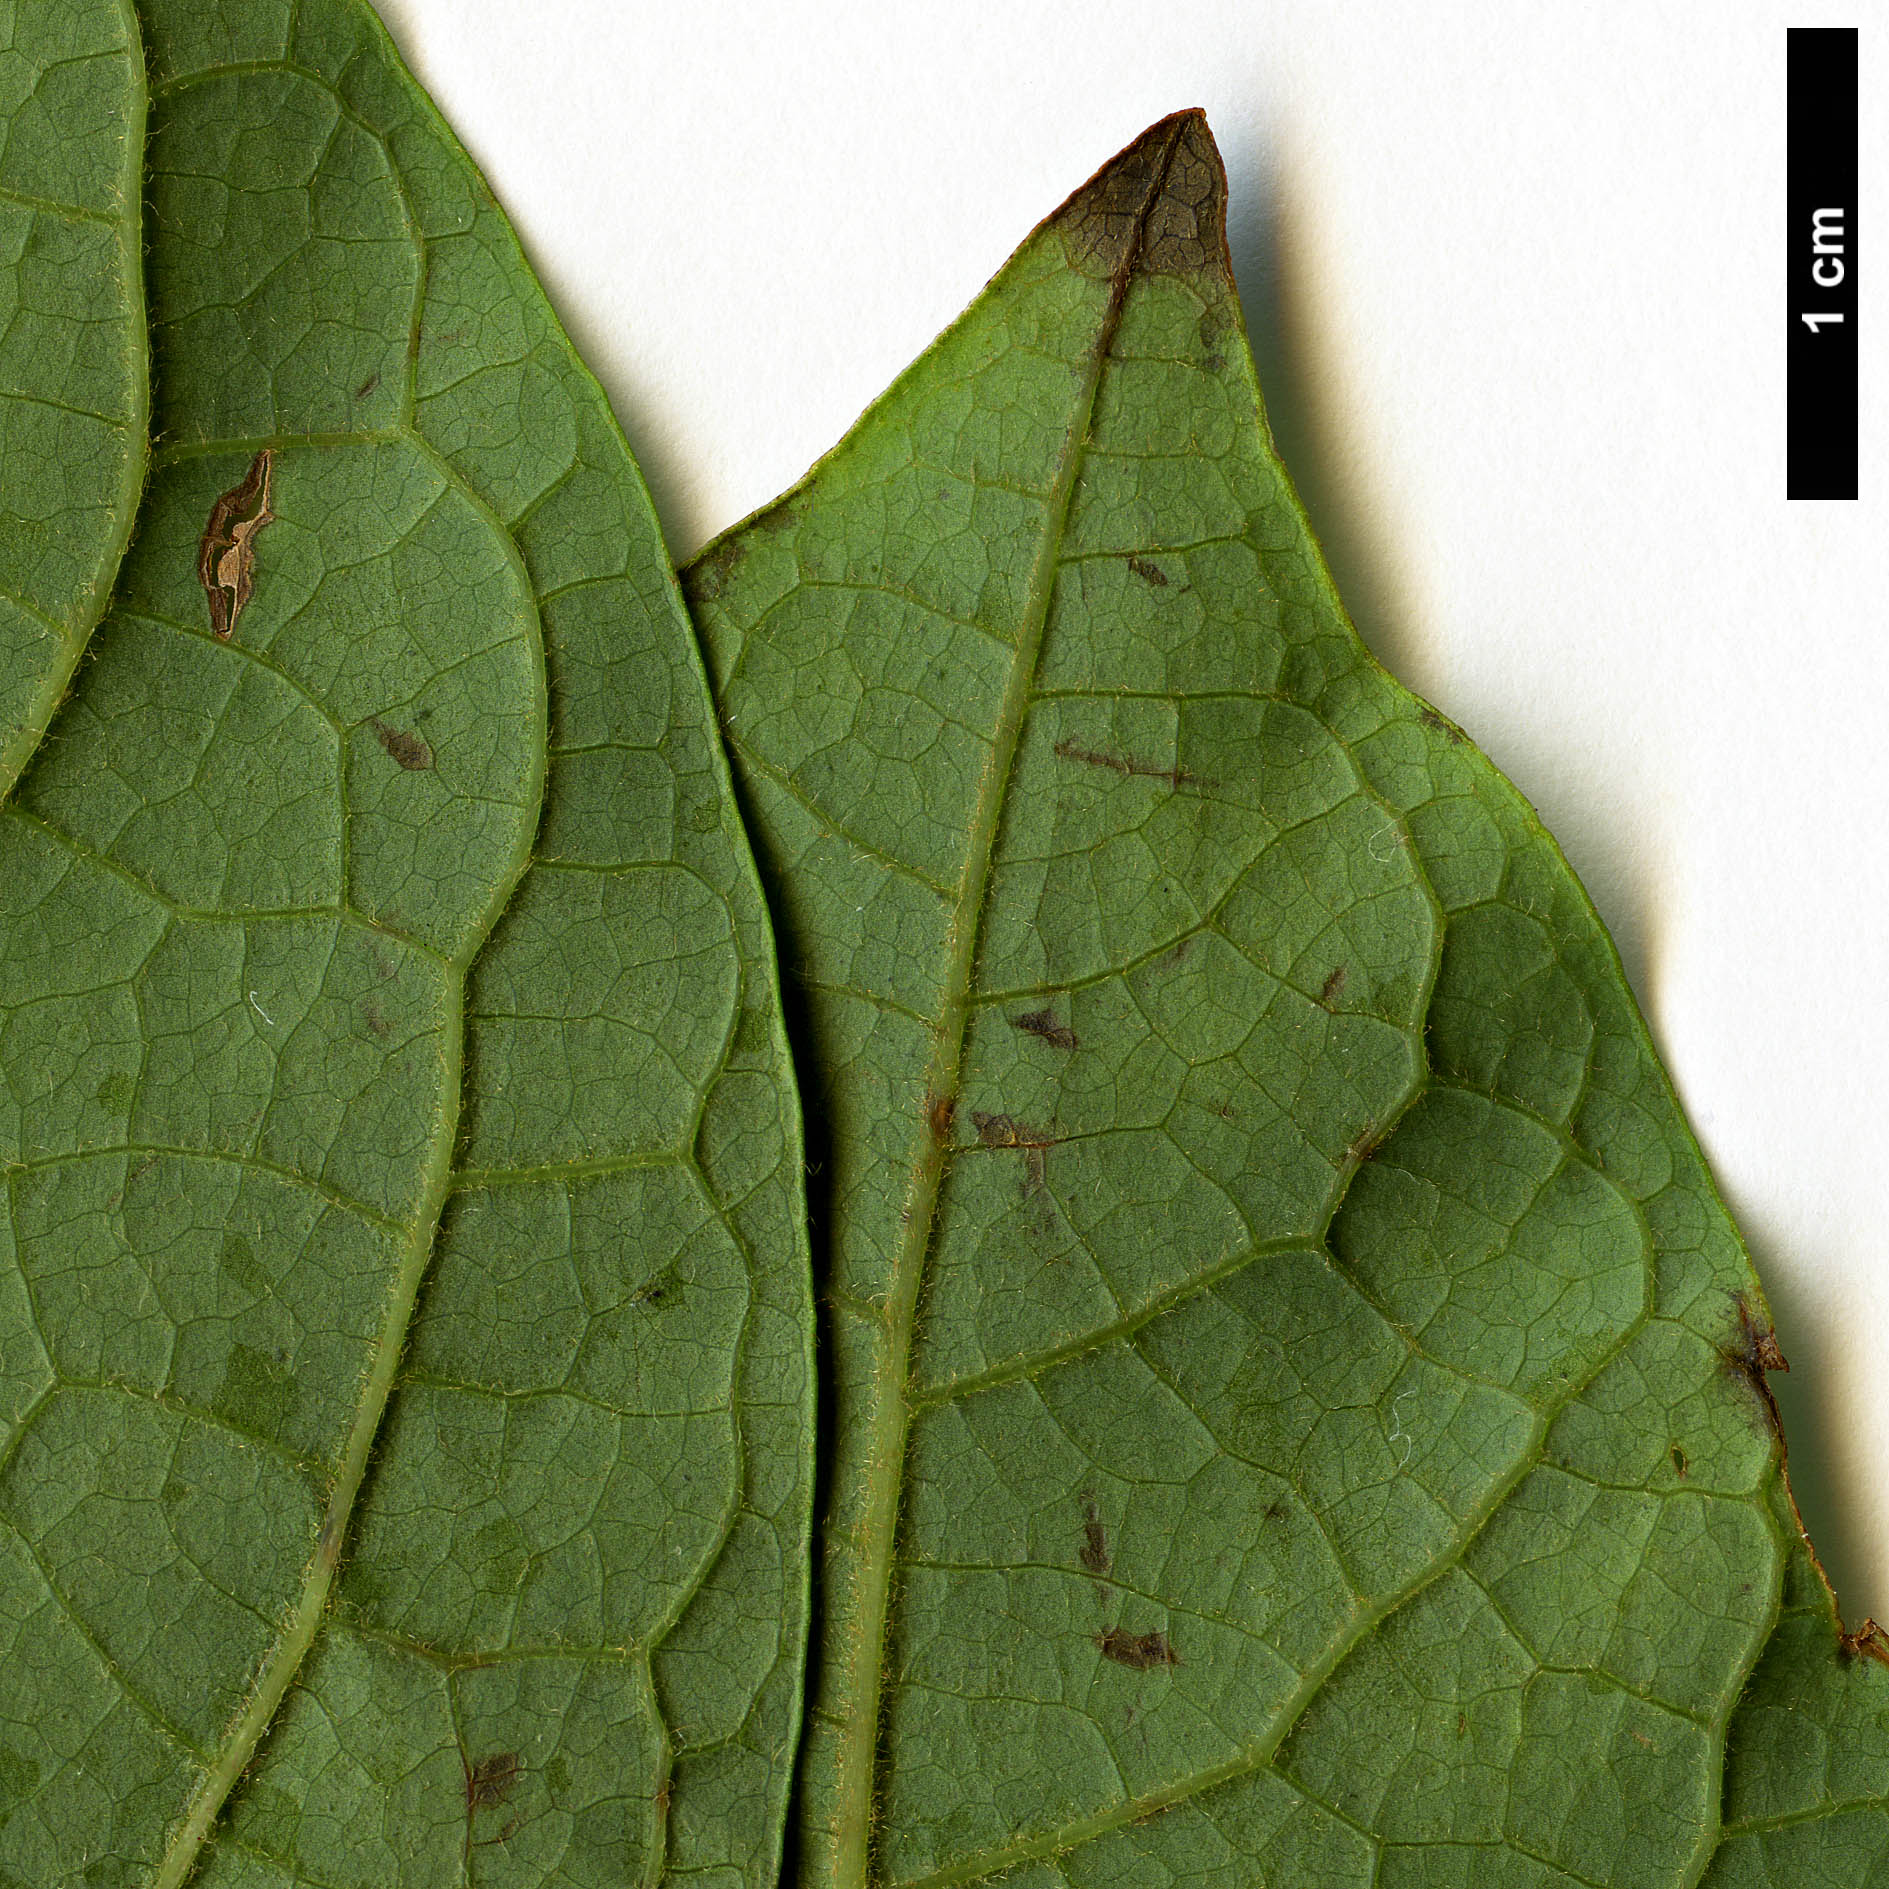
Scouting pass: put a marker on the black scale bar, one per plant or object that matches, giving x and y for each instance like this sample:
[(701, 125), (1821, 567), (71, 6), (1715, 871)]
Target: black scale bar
[(1821, 188)]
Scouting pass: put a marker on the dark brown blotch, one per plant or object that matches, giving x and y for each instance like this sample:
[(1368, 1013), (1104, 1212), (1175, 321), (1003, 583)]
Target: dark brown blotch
[(1752, 1352), (1100, 223), (1329, 991), (1866, 1642), (783, 515), (1042, 1024), (226, 553), (1095, 1554), (941, 1112), (1176, 777), (491, 1781), (706, 579), (1005, 1131), (412, 751), (1138, 1651), (1441, 723), (1185, 232), (1149, 573)]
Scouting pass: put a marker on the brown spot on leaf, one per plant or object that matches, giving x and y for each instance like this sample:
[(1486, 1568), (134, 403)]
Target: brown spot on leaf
[(1868, 1641), (706, 579), (1328, 992), (1364, 1144), (371, 1015), (1680, 1463), (367, 387), (1005, 1131), (1042, 1023), (226, 553), (1441, 723), (491, 1781), (1752, 1352), (1176, 777), (1149, 573), (1095, 1555), (410, 750), (941, 1111), (1139, 1651)]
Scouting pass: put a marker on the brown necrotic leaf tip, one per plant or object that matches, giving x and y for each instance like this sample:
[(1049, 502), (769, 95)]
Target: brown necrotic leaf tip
[(226, 554)]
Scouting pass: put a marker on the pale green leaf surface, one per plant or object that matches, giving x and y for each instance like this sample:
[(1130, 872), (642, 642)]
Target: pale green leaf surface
[(72, 345), (1299, 1409), (404, 1324)]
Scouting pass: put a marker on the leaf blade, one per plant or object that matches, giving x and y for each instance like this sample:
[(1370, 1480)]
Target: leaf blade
[(1522, 1219), (73, 374), (335, 335)]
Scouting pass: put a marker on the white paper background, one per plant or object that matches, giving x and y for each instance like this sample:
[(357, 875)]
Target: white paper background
[(1514, 277)]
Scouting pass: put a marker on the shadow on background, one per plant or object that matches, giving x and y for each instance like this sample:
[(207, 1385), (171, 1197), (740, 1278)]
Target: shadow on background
[(1272, 243), (1813, 1426)]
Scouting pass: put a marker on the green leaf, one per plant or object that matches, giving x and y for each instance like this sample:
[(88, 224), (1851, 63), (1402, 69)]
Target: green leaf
[(1299, 1400), (72, 354), (1807, 1762), (404, 1322)]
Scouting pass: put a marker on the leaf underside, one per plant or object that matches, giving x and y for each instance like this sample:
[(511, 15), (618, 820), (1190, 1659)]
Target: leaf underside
[(72, 348), (404, 1320), (1299, 1400), (1298, 1404)]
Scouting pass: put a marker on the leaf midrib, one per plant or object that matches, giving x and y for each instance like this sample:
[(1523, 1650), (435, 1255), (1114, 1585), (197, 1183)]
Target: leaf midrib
[(861, 1704)]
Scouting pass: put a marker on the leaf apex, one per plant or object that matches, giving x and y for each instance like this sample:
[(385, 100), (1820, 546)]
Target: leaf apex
[(1158, 205)]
